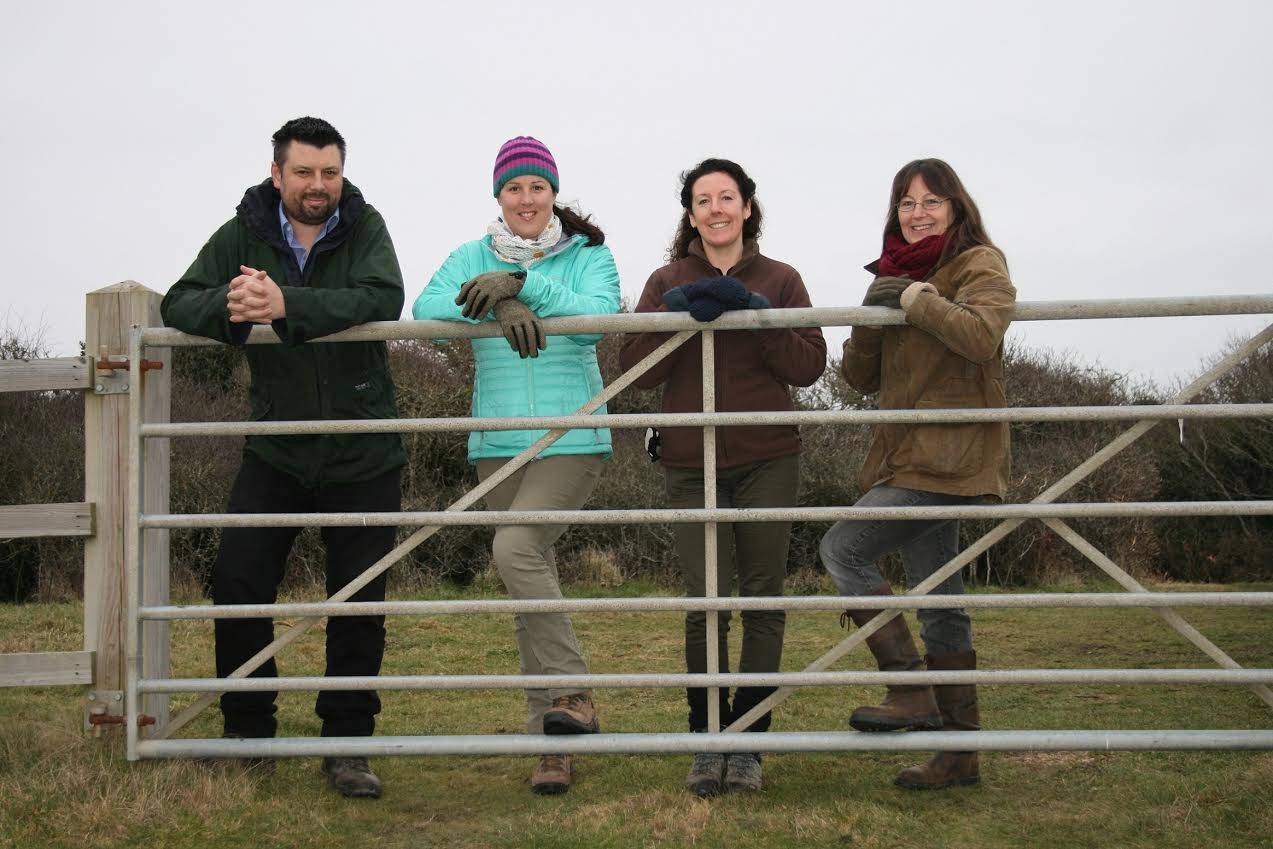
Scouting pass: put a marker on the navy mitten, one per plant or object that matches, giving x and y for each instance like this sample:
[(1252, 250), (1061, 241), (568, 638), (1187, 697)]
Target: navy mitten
[(676, 299), (711, 297)]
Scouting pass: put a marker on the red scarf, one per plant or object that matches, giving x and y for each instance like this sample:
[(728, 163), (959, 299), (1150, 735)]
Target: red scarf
[(913, 261)]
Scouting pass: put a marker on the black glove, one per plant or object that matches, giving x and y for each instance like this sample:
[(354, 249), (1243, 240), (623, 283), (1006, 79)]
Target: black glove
[(521, 327), (485, 290), (886, 292)]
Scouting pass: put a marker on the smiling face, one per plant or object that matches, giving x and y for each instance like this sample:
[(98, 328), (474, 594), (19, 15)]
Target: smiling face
[(919, 223), (717, 211), (526, 203), (309, 181)]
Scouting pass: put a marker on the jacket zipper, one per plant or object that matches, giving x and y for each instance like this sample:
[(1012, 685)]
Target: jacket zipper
[(530, 383)]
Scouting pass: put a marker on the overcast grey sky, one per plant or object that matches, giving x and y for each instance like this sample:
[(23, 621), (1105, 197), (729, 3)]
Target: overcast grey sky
[(1115, 148)]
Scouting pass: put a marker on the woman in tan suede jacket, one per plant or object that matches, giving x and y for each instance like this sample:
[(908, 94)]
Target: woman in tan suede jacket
[(940, 268)]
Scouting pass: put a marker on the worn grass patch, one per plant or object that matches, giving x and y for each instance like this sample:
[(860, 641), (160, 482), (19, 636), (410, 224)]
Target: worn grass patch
[(61, 788)]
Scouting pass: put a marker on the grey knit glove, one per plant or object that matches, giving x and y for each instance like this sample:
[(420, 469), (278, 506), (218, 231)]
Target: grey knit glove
[(886, 292), (521, 327), (485, 290)]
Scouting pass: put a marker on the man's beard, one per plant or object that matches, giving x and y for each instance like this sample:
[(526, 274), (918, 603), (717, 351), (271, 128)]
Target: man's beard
[(311, 215)]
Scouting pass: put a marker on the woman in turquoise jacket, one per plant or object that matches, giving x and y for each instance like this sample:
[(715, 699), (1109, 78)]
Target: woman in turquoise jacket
[(538, 260)]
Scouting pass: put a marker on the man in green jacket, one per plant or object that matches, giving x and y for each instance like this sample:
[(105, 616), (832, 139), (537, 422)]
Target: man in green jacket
[(306, 256)]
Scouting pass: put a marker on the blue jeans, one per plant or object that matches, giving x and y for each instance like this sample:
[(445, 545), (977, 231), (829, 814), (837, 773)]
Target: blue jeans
[(849, 551)]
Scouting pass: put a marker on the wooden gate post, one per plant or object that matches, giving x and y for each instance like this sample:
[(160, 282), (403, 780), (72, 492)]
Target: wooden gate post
[(111, 314)]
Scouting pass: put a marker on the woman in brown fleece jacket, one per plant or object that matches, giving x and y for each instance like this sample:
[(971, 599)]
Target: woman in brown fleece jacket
[(941, 269), (715, 246)]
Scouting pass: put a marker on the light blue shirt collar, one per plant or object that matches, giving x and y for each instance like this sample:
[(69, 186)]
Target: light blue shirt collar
[(289, 234)]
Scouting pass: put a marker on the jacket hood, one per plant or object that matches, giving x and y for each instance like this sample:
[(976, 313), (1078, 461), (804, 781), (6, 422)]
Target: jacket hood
[(259, 212)]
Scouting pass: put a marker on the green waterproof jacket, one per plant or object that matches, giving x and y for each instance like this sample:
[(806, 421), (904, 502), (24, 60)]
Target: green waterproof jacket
[(351, 276)]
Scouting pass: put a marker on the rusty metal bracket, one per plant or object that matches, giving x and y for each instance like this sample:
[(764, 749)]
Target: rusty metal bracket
[(122, 363), (108, 719), (110, 374), (99, 705), (104, 708)]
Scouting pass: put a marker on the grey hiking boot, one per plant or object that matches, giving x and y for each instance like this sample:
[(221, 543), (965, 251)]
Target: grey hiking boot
[(352, 777), (706, 774), (742, 772)]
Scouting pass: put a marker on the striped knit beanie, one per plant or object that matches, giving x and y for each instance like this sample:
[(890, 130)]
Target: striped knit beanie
[(525, 155)]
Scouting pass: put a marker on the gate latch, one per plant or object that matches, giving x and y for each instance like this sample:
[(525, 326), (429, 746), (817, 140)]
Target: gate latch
[(111, 374)]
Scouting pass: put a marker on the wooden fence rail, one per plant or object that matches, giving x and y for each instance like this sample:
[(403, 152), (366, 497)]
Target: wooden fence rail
[(46, 520), (46, 374), (111, 315)]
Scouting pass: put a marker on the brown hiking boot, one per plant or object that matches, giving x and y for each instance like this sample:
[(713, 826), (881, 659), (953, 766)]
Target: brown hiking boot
[(552, 775), (958, 704), (905, 708), (572, 714)]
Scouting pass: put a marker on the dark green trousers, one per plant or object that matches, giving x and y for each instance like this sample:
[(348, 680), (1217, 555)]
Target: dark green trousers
[(752, 556)]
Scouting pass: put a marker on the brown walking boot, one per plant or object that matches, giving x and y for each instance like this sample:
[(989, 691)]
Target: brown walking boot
[(905, 708), (572, 714), (958, 704), (552, 775)]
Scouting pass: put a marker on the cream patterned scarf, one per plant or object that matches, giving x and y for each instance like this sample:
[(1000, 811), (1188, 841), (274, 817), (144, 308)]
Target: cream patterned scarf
[(510, 247)]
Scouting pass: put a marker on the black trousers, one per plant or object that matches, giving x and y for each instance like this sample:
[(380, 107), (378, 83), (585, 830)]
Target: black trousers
[(250, 566)]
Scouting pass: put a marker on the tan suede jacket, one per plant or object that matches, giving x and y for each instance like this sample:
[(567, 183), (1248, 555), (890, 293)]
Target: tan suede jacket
[(948, 356)]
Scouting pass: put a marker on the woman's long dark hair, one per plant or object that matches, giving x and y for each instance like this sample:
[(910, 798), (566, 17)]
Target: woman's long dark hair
[(573, 222), (685, 233), (966, 230)]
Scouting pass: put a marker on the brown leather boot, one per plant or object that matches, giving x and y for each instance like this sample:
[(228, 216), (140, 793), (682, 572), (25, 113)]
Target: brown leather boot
[(959, 712), (552, 775), (905, 708), (572, 714)]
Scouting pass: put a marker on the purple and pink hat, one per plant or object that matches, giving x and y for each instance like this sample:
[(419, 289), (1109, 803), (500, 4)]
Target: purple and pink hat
[(525, 155)]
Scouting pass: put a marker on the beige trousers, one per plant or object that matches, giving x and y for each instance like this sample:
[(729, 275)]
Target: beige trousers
[(524, 556)]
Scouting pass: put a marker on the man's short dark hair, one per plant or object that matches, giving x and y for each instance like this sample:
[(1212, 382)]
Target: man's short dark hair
[(307, 130)]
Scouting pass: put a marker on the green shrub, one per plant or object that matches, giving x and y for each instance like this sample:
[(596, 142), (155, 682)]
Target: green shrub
[(1220, 460), (41, 462)]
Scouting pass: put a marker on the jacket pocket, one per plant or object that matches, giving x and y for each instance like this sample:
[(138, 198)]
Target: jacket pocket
[(361, 396), (949, 450)]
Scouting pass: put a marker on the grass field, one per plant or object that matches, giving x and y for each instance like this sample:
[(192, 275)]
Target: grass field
[(59, 788)]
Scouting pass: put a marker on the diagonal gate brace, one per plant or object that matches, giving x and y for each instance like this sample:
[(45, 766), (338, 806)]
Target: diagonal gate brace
[(1091, 464)]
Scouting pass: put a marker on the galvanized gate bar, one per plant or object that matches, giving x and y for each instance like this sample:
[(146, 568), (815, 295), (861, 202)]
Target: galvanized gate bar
[(1081, 677), (755, 320), (133, 547), (681, 603), (420, 535), (1130, 412), (710, 547), (1091, 464), (775, 741), (1172, 618), (1032, 510)]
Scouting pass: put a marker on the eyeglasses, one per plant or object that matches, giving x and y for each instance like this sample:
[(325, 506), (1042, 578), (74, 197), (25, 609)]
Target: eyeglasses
[(929, 204)]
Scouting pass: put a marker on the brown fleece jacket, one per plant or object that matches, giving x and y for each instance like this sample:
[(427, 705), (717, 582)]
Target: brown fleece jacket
[(754, 369)]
